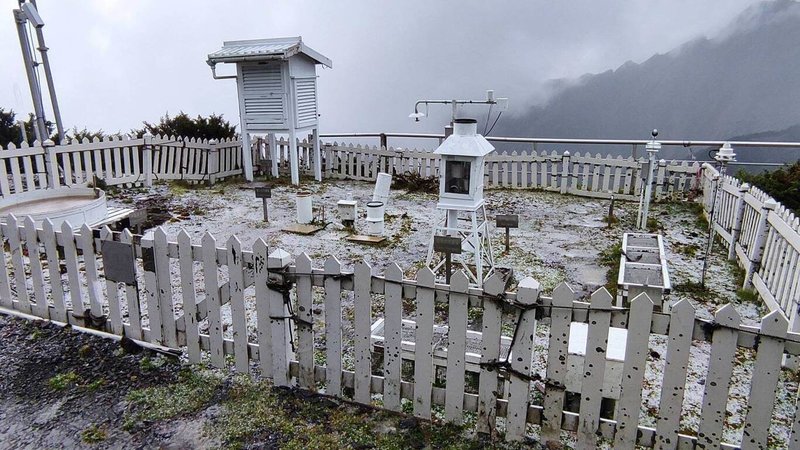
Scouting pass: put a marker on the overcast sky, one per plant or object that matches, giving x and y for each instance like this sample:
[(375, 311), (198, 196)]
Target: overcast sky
[(117, 63)]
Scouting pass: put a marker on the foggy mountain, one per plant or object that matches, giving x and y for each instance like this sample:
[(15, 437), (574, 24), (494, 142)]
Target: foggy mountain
[(745, 81)]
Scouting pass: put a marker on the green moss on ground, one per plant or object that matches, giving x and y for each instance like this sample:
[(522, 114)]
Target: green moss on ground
[(255, 412), (609, 257), (192, 392)]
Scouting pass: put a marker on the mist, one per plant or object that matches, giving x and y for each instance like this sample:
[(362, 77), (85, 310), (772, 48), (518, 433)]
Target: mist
[(117, 63)]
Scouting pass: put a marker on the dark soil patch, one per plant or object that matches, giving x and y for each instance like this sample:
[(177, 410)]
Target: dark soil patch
[(60, 388)]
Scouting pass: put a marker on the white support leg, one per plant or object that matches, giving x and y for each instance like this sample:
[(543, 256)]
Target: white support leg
[(478, 248), (293, 160), (273, 153), (247, 156)]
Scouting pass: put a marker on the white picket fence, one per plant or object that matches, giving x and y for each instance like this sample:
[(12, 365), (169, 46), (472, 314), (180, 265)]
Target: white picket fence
[(762, 235), (585, 175), (264, 309), (117, 161), (124, 160)]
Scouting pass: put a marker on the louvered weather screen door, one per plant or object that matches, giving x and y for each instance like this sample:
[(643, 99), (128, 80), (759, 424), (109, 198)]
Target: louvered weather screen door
[(264, 95)]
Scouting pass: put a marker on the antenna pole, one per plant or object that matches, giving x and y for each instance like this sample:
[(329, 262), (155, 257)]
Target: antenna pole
[(50, 86), (39, 128)]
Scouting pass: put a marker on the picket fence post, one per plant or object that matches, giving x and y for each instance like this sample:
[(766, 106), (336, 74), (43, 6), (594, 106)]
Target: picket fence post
[(147, 160), (720, 369), (565, 164), (263, 323), (491, 323), (757, 251), (51, 164), (423, 348), (522, 352), (278, 261), (738, 218), (555, 383), (213, 161), (594, 368)]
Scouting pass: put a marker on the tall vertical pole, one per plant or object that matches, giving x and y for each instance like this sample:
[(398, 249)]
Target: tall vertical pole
[(50, 86), (652, 148), (39, 128)]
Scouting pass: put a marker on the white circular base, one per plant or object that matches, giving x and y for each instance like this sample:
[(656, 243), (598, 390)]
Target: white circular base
[(77, 206)]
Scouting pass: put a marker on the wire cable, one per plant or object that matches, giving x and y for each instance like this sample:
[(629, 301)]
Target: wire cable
[(495, 123)]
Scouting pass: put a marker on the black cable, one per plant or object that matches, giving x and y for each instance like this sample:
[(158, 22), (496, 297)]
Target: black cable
[(488, 115), (495, 123)]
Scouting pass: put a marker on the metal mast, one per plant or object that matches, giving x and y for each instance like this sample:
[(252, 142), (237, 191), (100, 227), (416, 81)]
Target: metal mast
[(29, 13)]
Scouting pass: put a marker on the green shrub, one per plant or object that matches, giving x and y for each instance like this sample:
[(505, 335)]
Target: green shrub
[(782, 184)]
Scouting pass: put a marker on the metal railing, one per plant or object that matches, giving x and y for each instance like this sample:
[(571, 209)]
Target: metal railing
[(634, 143)]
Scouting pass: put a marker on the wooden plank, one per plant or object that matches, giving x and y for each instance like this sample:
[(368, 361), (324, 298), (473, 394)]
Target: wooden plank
[(126, 159), (88, 170), (164, 289), (5, 189), (393, 316), (151, 288), (423, 339), (261, 275), (238, 311), (41, 307), (794, 439), (636, 351), (766, 372), (491, 323), (189, 296), (16, 179), (715, 397), (362, 280), (596, 176), (560, 318), (305, 323), (279, 325), (112, 292), (18, 263), (66, 166), (677, 363), (71, 260), (333, 327), (108, 173), (522, 352), (93, 288), (117, 163), (134, 330), (6, 301), (30, 176), (456, 347), (594, 368), (607, 177), (211, 283)]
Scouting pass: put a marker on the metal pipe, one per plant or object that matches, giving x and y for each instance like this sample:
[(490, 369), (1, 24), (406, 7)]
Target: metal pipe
[(454, 103), (50, 86), (219, 77), (580, 141), (40, 130)]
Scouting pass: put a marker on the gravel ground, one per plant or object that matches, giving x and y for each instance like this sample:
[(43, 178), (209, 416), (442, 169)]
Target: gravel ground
[(60, 387)]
